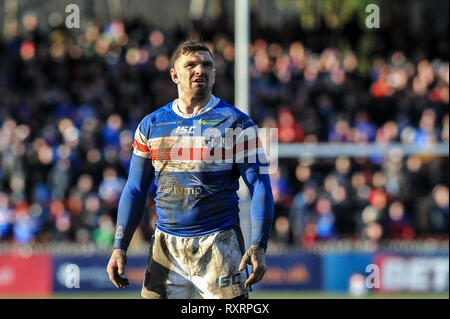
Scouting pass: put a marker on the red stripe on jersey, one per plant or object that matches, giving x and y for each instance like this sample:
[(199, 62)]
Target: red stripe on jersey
[(140, 147), (247, 145), (202, 153), (190, 154)]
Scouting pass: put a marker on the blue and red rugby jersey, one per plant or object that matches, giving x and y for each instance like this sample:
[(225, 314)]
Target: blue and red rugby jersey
[(194, 162)]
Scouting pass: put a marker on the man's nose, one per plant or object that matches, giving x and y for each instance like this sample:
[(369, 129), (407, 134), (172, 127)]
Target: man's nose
[(199, 69)]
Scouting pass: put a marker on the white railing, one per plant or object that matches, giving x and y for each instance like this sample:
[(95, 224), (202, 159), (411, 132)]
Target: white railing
[(329, 150), (430, 245)]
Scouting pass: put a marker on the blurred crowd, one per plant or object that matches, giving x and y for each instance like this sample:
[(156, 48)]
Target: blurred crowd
[(69, 105)]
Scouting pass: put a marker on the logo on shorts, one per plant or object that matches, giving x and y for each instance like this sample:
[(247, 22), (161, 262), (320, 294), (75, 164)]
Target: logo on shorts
[(226, 281)]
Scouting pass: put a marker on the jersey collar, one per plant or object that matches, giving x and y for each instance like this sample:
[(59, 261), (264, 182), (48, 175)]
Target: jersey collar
[(211, 104)]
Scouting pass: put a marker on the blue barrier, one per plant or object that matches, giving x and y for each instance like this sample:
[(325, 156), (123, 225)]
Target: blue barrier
[(338, 268), (300, 271), (89, 273)]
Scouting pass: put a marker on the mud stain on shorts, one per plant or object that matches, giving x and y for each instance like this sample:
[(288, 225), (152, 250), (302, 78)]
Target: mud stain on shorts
[(155, 275), (201, 266)]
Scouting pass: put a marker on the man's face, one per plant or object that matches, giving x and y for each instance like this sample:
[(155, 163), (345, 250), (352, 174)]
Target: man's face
[(194, 74)]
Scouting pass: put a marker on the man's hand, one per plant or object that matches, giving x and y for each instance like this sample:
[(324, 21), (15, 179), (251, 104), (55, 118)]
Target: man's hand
[(256, 257), (116, 268)]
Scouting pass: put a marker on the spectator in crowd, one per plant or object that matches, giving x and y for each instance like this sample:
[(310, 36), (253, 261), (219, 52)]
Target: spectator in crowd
[(325, 227), (302, 214), (289, 131), (435, 210), (399, 225)]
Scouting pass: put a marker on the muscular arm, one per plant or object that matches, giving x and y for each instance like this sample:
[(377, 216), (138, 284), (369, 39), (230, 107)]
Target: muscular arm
[(262, 203), (262, 217), (133, 199)]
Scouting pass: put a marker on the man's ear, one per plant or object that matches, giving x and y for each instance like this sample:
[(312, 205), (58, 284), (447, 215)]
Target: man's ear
[(174, 75)]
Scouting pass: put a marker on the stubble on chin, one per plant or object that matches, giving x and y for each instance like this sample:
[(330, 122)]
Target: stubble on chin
[(199, 92)]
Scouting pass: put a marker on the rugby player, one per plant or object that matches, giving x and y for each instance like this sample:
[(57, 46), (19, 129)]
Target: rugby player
[(184, 150)]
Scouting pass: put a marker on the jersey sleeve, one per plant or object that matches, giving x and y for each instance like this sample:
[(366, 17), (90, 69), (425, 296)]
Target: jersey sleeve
[(251, 161), (139, 185), (141, 143), (248, 147)]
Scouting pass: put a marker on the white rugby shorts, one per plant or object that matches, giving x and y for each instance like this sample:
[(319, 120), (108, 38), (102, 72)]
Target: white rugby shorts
[(179, 266)]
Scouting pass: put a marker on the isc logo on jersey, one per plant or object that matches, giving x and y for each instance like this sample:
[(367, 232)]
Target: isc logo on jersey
[(184, 130)]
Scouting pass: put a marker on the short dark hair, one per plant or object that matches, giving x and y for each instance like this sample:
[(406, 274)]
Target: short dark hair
[(189, 46)]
